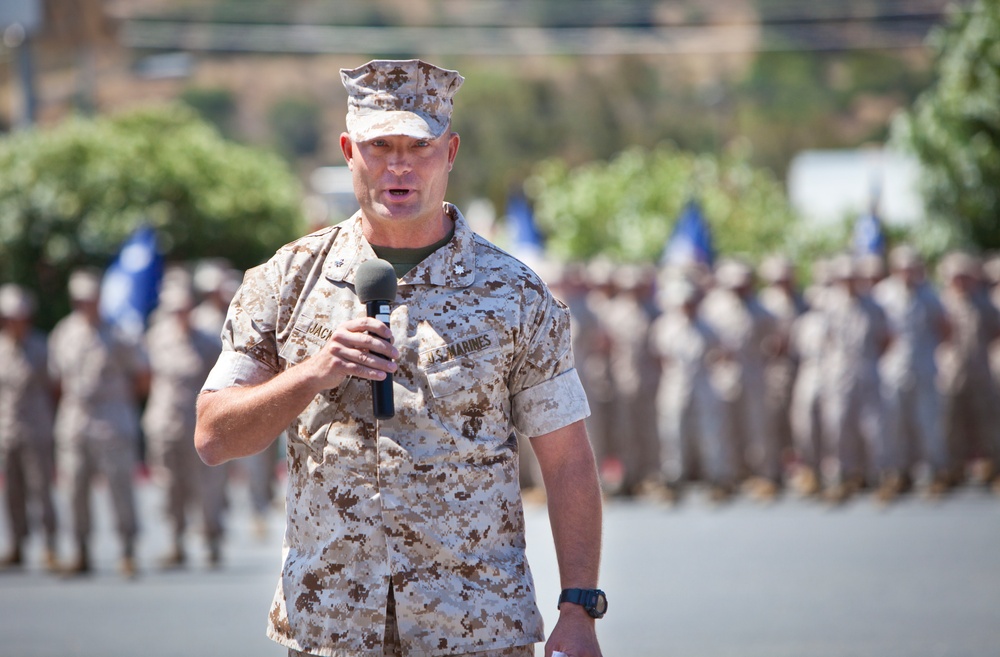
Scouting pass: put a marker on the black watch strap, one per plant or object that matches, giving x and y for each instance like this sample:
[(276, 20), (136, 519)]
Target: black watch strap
[(593, 600)]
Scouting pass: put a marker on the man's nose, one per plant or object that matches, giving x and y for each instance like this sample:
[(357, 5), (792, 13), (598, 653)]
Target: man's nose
[(399, 162)]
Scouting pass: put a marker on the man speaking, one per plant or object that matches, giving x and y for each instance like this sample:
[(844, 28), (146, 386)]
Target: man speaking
[(405, 535)]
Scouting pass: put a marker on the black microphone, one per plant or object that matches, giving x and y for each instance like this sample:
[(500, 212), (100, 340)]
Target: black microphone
[(375, 283)]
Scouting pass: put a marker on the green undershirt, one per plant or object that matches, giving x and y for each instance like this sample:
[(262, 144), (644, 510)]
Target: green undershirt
[(403, 260)]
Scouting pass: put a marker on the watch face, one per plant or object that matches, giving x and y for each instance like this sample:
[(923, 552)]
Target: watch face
[(601, 604)]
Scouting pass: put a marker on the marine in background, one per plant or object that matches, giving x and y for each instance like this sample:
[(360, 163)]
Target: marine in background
[(181, 357), (101, 375), (27, 444)]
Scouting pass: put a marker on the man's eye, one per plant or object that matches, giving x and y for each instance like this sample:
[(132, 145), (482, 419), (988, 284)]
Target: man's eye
[(422, 142)]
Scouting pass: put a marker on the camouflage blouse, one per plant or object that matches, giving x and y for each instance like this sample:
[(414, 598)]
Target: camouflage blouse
[(429, 498)]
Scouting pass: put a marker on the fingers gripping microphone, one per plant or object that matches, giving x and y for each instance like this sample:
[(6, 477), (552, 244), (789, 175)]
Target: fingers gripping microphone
[(375, 283)]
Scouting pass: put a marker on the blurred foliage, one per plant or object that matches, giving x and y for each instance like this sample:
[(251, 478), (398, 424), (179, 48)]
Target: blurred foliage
[(790, 102), (510, 119), (954, 127), (69, 196), (296, 124), (580, 111), (216, 105), (625, 209)]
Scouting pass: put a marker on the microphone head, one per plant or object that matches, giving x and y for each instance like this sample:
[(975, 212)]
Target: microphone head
[(375, 280)]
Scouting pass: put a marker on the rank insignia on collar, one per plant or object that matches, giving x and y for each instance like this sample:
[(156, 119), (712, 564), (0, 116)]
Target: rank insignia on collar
[(459, 270)]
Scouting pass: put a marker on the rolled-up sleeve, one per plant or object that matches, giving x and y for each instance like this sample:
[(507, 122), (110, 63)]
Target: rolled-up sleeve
[(249, 349), (546, 392)]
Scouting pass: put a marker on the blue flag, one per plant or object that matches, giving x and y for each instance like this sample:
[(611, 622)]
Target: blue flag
[(131, 283), (868, 236), (691, 241), (526, 240)]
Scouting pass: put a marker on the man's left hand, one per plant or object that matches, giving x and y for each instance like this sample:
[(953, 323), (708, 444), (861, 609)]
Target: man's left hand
[(574, 634)]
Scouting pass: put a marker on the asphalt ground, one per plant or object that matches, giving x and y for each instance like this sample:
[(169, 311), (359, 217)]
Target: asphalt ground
[(793, 578)]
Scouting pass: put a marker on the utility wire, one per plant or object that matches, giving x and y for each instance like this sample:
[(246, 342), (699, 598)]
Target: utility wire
[(599, 41)]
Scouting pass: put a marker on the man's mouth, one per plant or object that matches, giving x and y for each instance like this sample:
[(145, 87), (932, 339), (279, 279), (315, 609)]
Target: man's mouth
[(398, 192)]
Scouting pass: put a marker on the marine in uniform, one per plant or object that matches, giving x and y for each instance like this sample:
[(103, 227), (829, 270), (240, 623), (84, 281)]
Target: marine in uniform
[(406, 535), (748, 332), (634, 372), (970, 393), (101, 375), (806, 344), (180, 357), (908, 371), (690, 419), (26, 417), (856, 337), (781, 297)]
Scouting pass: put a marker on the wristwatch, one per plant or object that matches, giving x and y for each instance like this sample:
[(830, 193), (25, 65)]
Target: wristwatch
[(593, 600)]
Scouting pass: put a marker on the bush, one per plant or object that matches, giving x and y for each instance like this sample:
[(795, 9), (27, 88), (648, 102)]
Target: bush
[(71, 195)]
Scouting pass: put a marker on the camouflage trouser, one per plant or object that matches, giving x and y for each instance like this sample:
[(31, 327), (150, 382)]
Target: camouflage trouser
[(114, 458), (392, 646), (28, 470)]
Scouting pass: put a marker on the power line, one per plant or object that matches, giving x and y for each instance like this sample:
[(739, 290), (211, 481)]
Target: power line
[(828, 35), (553, 14)]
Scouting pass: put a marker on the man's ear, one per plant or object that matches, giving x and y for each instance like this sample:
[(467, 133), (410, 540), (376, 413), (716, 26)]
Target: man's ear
[(347, 148)]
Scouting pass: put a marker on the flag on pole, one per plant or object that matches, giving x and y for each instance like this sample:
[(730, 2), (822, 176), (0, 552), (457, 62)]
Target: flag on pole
[(527, 242), (131, 283), (691, 240), (869, 239)]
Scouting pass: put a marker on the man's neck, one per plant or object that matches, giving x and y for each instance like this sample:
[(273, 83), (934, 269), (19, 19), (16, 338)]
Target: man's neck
[(407, 235)]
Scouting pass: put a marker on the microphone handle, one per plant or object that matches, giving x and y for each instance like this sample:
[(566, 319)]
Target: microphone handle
[(382, 401)]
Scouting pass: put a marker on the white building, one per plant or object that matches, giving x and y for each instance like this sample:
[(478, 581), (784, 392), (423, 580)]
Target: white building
[(825, 187)]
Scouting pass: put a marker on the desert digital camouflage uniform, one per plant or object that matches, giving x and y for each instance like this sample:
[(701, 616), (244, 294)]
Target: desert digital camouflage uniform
[(429, 499), (26, 437), (991, 276), (594, 364), (180, 358), (218, 282), (856, 336), (690, 415), (908, 373), (97, 421), (746, 329), (635, 373), (807, 341), (970, 393), (780, 298)]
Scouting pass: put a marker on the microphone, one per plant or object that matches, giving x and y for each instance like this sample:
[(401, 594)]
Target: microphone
[(375, 283)]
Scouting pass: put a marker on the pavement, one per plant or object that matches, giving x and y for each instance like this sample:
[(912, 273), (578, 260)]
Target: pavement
[(793, 578)]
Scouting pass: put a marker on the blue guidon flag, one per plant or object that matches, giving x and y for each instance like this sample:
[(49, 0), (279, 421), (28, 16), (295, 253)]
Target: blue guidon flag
[(131, 284), (691, 240), (869, 239), (526, 239)]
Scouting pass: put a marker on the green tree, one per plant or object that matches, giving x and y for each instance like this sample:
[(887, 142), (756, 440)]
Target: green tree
[(626, 208), (215, 105), (70, 196), (296, 124), (954, 126)]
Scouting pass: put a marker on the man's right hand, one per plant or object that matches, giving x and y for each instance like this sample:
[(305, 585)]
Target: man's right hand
[(239, 421), (360, 347)]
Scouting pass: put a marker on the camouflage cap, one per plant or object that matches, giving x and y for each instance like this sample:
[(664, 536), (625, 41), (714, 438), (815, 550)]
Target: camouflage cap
[(16, 302), (84, 285), (399, 97)]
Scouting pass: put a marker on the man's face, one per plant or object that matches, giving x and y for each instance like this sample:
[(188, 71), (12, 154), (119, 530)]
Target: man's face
[(399, 179)]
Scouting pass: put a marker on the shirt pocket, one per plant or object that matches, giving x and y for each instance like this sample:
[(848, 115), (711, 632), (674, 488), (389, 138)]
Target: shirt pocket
[(460, 375), (308, 335), (471, 364)]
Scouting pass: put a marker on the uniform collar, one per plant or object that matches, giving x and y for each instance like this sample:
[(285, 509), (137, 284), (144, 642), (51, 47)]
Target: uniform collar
[(453, 265)]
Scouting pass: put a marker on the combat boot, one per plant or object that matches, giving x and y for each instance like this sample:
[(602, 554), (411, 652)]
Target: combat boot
[(14, 558), (81, 565)]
